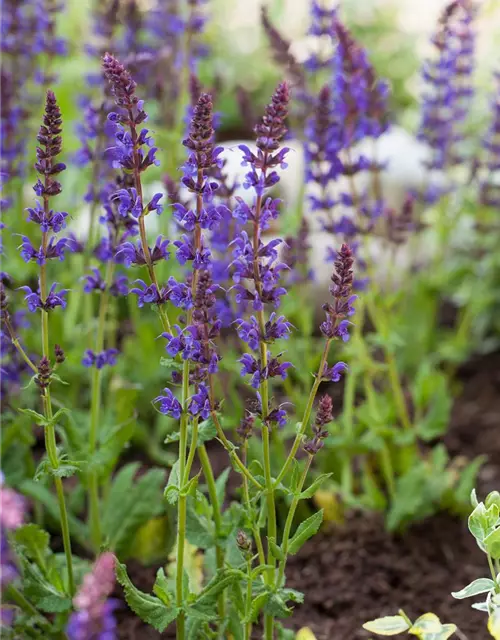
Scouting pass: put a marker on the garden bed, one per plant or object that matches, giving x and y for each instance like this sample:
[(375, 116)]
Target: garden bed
[(355, 572)]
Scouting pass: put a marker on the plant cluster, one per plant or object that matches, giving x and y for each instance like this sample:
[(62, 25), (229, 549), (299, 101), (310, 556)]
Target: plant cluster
[(182, 326)]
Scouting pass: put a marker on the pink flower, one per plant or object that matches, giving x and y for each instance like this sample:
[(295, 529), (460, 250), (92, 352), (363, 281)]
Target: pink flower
[(12, 507), (97, 586)]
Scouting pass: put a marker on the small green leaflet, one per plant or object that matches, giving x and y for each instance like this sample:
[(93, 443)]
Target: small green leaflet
[(387, 626), (305, 531), (481, 585)]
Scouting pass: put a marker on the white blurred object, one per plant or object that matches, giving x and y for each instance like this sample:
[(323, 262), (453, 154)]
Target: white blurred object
[(403, 157)]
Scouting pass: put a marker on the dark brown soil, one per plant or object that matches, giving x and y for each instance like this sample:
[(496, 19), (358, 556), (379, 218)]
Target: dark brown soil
[(358, 571)]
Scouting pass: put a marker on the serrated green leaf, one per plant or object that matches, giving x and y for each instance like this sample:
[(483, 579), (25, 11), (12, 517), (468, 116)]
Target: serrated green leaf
[(175, 436), (161, 589), (149, 608), (387, 626), (38, 418), (37, 588), (54, 604), (37, 491), (205, 605), (206, 431), (258, 604), (132, 504), (171, 363), (311, 490), (277, 607), (481, 585), (198, 529), (189, 489), (305, 531), (35, 542)]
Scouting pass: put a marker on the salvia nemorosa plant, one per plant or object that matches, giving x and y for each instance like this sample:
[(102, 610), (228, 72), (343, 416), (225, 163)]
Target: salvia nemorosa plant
[(201, 338)]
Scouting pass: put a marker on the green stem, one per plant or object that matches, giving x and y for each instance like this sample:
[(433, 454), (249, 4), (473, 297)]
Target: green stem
[(307, 414), (95, 407), (348, 410), (232, 453), (248, 600), (246, 496), (179, 577), (392, 368), (182, 506), (289, 520), (271, 524), (50, 436), (493, 572), (217, 516), (385, 454)]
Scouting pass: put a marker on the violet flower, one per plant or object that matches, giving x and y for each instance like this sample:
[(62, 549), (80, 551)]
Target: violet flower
[(490, 181), (448, 89), (49, 139), (100, 360)]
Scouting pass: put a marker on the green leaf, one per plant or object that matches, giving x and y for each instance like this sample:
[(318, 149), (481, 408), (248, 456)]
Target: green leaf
[(131, 504), (35, 542), (66, 469), (198, 529), (161, 589), (204, 605), (492, 543), (149, 608), (54, 604), (294, 480), (171, 493), (305, 531), (206, 431), (38, 589), (387, 626), (492, 498), (311, 490), (38, 418), (189, 489), (220, 485), (275, 549), (112, 444), (38, 491), (482, 522), (276, 606), (429, 627), (171, 363), (481, 585), (258, 604)]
